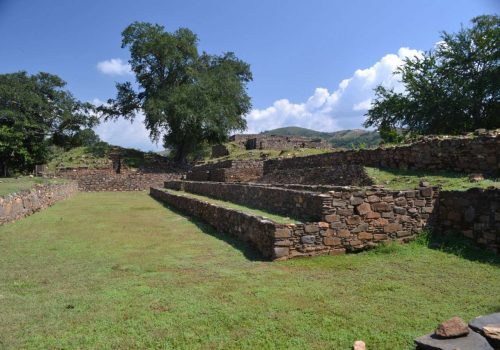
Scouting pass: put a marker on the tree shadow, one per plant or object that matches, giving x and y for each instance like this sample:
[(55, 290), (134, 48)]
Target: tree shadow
[(455, 243), (249, 252)]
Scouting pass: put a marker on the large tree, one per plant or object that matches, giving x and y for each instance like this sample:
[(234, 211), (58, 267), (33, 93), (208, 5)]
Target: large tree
[(187, 98), (452, 89), (34, 111)]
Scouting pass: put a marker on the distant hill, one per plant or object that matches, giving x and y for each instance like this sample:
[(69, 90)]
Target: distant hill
[(343, 138)]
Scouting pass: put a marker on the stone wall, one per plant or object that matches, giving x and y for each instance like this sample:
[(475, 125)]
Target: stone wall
[(91, 180), (341, 174), (219, 151), (474, 213), (18, 205), (303, 205), (284, 142), (466, 154), (280, 142), (227, 171), (348, 219)]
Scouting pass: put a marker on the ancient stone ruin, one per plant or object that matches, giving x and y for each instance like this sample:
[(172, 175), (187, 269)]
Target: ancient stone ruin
[(337, 210)]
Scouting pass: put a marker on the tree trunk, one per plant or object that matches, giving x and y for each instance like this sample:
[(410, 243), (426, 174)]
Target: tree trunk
[(181, 154)]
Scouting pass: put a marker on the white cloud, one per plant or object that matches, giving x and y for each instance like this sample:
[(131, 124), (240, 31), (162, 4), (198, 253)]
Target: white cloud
[(114, 66), (344, 108), (123, 133)]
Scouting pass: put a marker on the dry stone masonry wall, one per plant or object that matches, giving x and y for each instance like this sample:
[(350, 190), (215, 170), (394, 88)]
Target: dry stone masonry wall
[(474, 213), (108, 180), (227, 171), (341, 174), (303, 205), (466, 154), (279, 142), (346, 219), (18, 205)]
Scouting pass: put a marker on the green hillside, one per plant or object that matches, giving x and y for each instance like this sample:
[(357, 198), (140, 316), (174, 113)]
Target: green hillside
[(343, 138)]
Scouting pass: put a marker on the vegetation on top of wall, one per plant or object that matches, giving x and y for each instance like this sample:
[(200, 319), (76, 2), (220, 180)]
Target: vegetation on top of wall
[(14, 185), (98, 156), (280, 219), (404, 179)]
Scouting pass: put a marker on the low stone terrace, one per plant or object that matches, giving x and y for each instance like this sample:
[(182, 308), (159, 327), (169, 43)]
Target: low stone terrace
[(343, 219)]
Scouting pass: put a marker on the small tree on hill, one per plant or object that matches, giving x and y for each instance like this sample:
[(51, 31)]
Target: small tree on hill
[(187, 98), (453, 89)]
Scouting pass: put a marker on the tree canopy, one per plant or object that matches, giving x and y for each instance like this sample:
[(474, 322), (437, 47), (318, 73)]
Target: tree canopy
[(452, 89), (36, 111), (187, 98)]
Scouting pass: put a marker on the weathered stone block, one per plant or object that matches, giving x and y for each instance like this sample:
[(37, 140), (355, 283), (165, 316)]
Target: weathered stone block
[(310, 228), (332, 218), (280, 252), (282, 233), (426, 191), (309, 239), (365, 235), (363, 209), (392, 227), (332, 241), (344, 233), (373, 199), (373, 215), (381, 206), (354, 220), (356, 200)]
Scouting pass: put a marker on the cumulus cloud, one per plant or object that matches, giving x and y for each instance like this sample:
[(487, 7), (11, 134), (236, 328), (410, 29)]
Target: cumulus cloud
[(114, 66), (126, 134), (344, 108)]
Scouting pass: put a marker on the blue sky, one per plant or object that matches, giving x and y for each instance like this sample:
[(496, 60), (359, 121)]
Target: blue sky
[(314, 62)]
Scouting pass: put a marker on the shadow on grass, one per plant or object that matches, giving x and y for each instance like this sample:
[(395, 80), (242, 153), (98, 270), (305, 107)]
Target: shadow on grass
[(248, 251), (457, 244)]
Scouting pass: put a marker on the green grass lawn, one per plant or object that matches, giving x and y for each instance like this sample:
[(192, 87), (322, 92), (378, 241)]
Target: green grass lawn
[(121, 271), (274, 217), (12, 185), (404, 179)]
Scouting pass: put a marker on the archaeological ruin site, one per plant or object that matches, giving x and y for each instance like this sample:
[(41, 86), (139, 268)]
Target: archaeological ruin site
[(275, 175)]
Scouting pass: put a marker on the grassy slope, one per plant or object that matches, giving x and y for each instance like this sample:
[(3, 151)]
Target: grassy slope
[(118, 270), (13, 185), (343, 138), (274, 217), (404, 179), (240, 153), (98, 157)]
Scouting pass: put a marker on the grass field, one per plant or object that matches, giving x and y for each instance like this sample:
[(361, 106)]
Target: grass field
[(252, 211), (404, 179), (12, 185), (120, 271)]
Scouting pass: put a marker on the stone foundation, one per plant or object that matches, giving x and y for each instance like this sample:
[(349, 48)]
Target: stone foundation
[(18, 205), (348, 218), (341, 175), (303, 205), (466, 154), (474, 213), (227, 171), (92, 180)]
